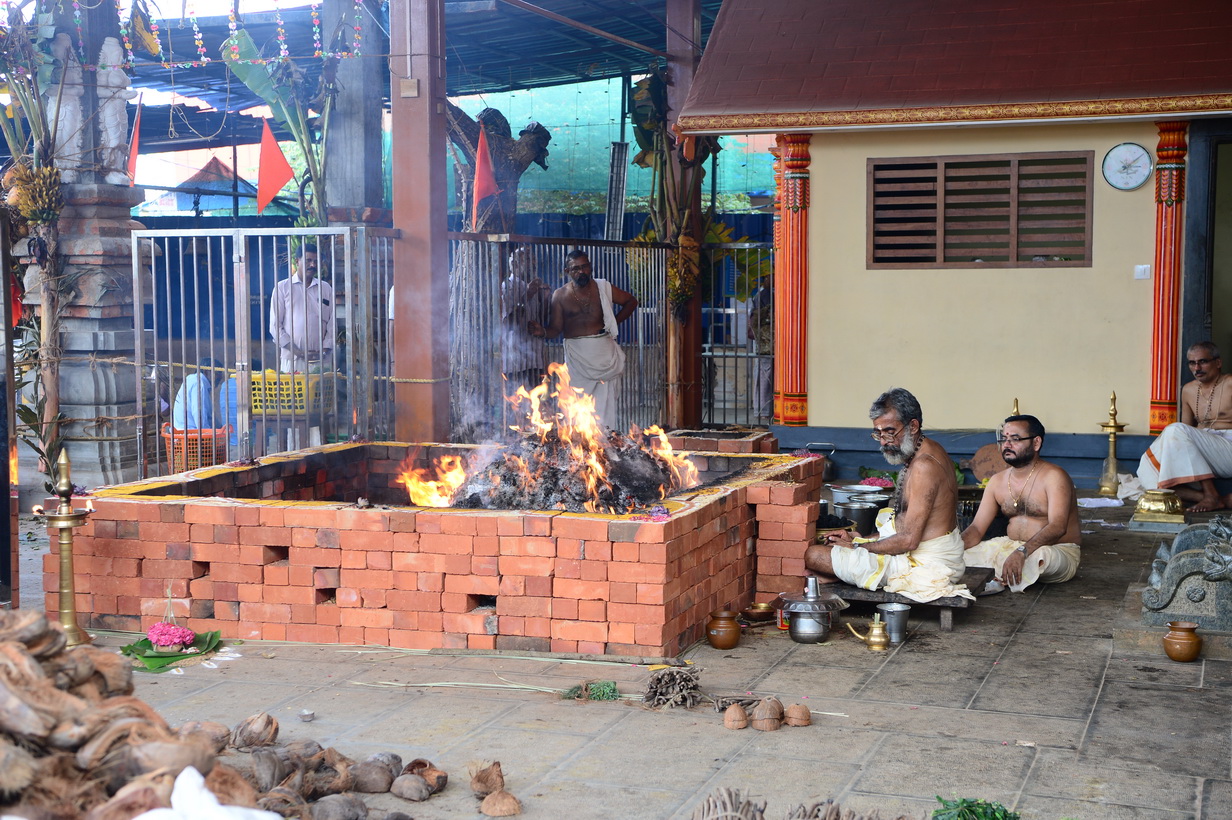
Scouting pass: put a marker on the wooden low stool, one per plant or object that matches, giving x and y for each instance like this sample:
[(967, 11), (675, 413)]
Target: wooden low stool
[(974, 579)]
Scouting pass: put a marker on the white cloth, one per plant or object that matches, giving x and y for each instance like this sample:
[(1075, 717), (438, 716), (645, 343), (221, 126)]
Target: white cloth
[(193, 408), (1052, 564), (519, 350), (302, 322), (596, 362), (191, 799), (1183, 454), (926, 573)]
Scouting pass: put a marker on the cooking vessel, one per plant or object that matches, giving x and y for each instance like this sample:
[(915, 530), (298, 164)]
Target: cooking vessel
[(863, 514)]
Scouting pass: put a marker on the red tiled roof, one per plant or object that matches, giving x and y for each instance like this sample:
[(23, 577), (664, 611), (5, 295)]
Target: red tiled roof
[(803, 64)]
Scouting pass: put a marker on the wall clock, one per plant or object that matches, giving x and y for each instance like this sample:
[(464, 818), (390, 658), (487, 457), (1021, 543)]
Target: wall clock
[(1127, 166)]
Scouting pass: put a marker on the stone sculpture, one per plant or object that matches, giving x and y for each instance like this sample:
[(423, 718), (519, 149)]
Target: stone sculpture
[(64, 108), (1191, 579), (113, 96)]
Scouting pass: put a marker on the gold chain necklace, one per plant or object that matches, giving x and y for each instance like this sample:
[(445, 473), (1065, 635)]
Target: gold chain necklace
[(1009, 485), (584, 304), (1210, 401)]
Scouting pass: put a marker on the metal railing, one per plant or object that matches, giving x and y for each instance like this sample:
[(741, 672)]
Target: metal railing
[(203, 310), (478, 265), (737, 334)]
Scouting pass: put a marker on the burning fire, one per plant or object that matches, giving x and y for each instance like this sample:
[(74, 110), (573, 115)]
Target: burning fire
[(563, 459)]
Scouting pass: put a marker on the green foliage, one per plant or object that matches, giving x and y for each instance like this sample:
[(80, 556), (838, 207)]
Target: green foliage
[(970, 809), (153, 659), (592, 690)]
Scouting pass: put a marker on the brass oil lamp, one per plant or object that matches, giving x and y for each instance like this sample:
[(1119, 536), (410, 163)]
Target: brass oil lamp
[(1108, 481), (66, 519)]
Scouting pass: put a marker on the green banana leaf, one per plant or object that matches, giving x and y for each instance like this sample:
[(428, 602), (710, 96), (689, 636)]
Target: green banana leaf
[(256, 76), (156, 660)]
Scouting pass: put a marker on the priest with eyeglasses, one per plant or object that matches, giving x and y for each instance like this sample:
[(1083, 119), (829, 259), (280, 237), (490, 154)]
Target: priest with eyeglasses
[(1043, 538)]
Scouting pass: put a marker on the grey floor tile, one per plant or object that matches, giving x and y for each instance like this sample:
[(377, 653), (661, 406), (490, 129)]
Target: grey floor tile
[(229, 702), (1053, 808), (1180, 730), (781, 783), (433, 721), (1062, 775), (927, 679), (1155, 669), (1216, 800), (905, 767)]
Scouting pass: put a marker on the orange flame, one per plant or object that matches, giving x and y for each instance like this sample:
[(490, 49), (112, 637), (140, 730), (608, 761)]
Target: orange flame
[(434, 486), (572, 442)]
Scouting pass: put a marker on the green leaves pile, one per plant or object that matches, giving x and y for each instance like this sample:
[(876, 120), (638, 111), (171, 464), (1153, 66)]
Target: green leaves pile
[(157, 660), (970, 809)]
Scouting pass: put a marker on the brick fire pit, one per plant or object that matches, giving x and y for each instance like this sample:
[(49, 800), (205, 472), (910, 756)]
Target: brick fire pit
[(281, 550)]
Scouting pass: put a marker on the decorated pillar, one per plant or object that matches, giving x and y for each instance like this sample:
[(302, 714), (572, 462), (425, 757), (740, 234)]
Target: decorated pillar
[(1166, 317), (791, 283)]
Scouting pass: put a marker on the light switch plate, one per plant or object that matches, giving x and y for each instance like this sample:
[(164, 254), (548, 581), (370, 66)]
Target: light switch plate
[(1142, 271)]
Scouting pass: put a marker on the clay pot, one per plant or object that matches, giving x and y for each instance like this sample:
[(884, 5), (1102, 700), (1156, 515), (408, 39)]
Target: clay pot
[(1182, 643), (723, 631)]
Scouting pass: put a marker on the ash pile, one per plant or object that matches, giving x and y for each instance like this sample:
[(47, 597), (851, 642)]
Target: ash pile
[(618, 477)]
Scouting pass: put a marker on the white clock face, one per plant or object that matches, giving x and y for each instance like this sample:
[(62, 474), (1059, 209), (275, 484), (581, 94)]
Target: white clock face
[(1127, 166)]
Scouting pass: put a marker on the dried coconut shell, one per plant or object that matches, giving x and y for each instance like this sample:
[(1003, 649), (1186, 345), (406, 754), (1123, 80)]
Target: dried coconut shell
[(259, 730), (208, 734), (767, 715), (487, 779), (303, 749), (735, 717), (114, 670), (284, 801), (371, 777), (500, 804), (23, 626), (230, 787), (70, 668), (128, 805), (797, 715), (340, 807), (390, 760), (411, 787), (51, 643), (161, 781)]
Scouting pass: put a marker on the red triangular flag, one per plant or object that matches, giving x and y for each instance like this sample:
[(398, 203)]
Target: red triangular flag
[(485, 178), (132, 146), (274, 170)]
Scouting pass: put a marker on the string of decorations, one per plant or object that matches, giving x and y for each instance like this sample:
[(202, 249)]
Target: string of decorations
[(282, 32), (128, 43)]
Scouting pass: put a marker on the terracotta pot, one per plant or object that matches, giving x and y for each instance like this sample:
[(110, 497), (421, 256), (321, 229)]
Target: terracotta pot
[(1182, 643), (723, 631)]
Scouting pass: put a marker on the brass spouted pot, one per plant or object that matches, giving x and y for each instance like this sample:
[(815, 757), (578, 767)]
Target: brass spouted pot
[(877, 638)]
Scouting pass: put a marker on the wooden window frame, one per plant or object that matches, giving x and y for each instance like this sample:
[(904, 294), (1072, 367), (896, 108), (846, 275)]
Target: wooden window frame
[(1009, 200)]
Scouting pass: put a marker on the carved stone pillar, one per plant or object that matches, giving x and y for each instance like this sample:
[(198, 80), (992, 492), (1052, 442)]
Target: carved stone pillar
[(791, 283), (1166, 316)]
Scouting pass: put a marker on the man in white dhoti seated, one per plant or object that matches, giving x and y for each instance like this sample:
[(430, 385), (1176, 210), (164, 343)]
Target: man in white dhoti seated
[(921, 557), (1189, 455), (1043, 538), (583, 309)]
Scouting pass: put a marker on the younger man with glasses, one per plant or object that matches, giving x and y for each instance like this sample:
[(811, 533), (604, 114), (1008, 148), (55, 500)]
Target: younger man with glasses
[(1190, 454), (1043, 537), (919, 554)]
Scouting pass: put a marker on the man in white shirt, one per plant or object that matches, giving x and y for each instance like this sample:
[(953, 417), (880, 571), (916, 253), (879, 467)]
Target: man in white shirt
[(193, 408), (302, 317)]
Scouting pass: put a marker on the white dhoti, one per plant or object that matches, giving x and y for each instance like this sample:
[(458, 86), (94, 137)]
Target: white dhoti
[(1183, 454), (595, 365), (1052, 564), (926, 573)]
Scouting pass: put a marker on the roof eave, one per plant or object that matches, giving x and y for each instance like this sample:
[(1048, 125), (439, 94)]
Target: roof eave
[(1040, 113)]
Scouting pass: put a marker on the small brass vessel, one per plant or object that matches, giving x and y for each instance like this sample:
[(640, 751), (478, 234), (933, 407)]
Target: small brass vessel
[(1160, 507), (877, 638)]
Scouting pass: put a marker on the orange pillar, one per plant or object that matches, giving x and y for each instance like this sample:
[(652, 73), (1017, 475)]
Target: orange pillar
[(1166, 317), (791, 283)]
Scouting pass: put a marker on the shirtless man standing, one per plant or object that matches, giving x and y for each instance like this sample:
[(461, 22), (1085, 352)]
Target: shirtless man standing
[(1043, 536), (1189, 454), (919, 553), (583, 311)]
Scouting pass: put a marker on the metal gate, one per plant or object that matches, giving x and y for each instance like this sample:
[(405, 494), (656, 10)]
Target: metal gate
[(203, 322), (738, 334)]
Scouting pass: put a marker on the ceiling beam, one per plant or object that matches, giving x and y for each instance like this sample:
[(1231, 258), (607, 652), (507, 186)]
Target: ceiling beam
[(560, 18)]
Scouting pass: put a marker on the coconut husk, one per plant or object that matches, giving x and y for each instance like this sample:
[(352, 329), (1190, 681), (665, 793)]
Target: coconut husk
[(340, 807), (411, 787), (736, 717), (114, 671), (371, 777), (390, 760), (68, 669), (230, 787), (129, 805), (269, 768), (51, 643), (16, 769), (23, 626), (436, 778), (18, 666), (172, 755), (207, 734), (797, 715), (767, 715), (500, 804), (487, 779), (303, 750), (260, 729), (125, 729), (161, 781), (60, 789), (284, 801)]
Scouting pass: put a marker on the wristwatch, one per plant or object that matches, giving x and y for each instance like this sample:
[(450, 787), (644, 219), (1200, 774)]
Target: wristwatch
[(1023, 550)]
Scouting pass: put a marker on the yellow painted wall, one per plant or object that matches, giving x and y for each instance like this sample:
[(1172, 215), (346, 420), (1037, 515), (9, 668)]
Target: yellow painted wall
[(966, 342)]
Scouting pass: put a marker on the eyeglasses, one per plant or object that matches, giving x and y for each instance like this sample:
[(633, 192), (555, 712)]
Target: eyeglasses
[(577, 268), (1199, 362), (1012, 439), (886, 433)]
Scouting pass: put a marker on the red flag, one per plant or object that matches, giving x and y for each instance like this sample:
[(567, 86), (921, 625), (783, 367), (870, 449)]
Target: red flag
[(485, 178), (132, 146), (274, 170)]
